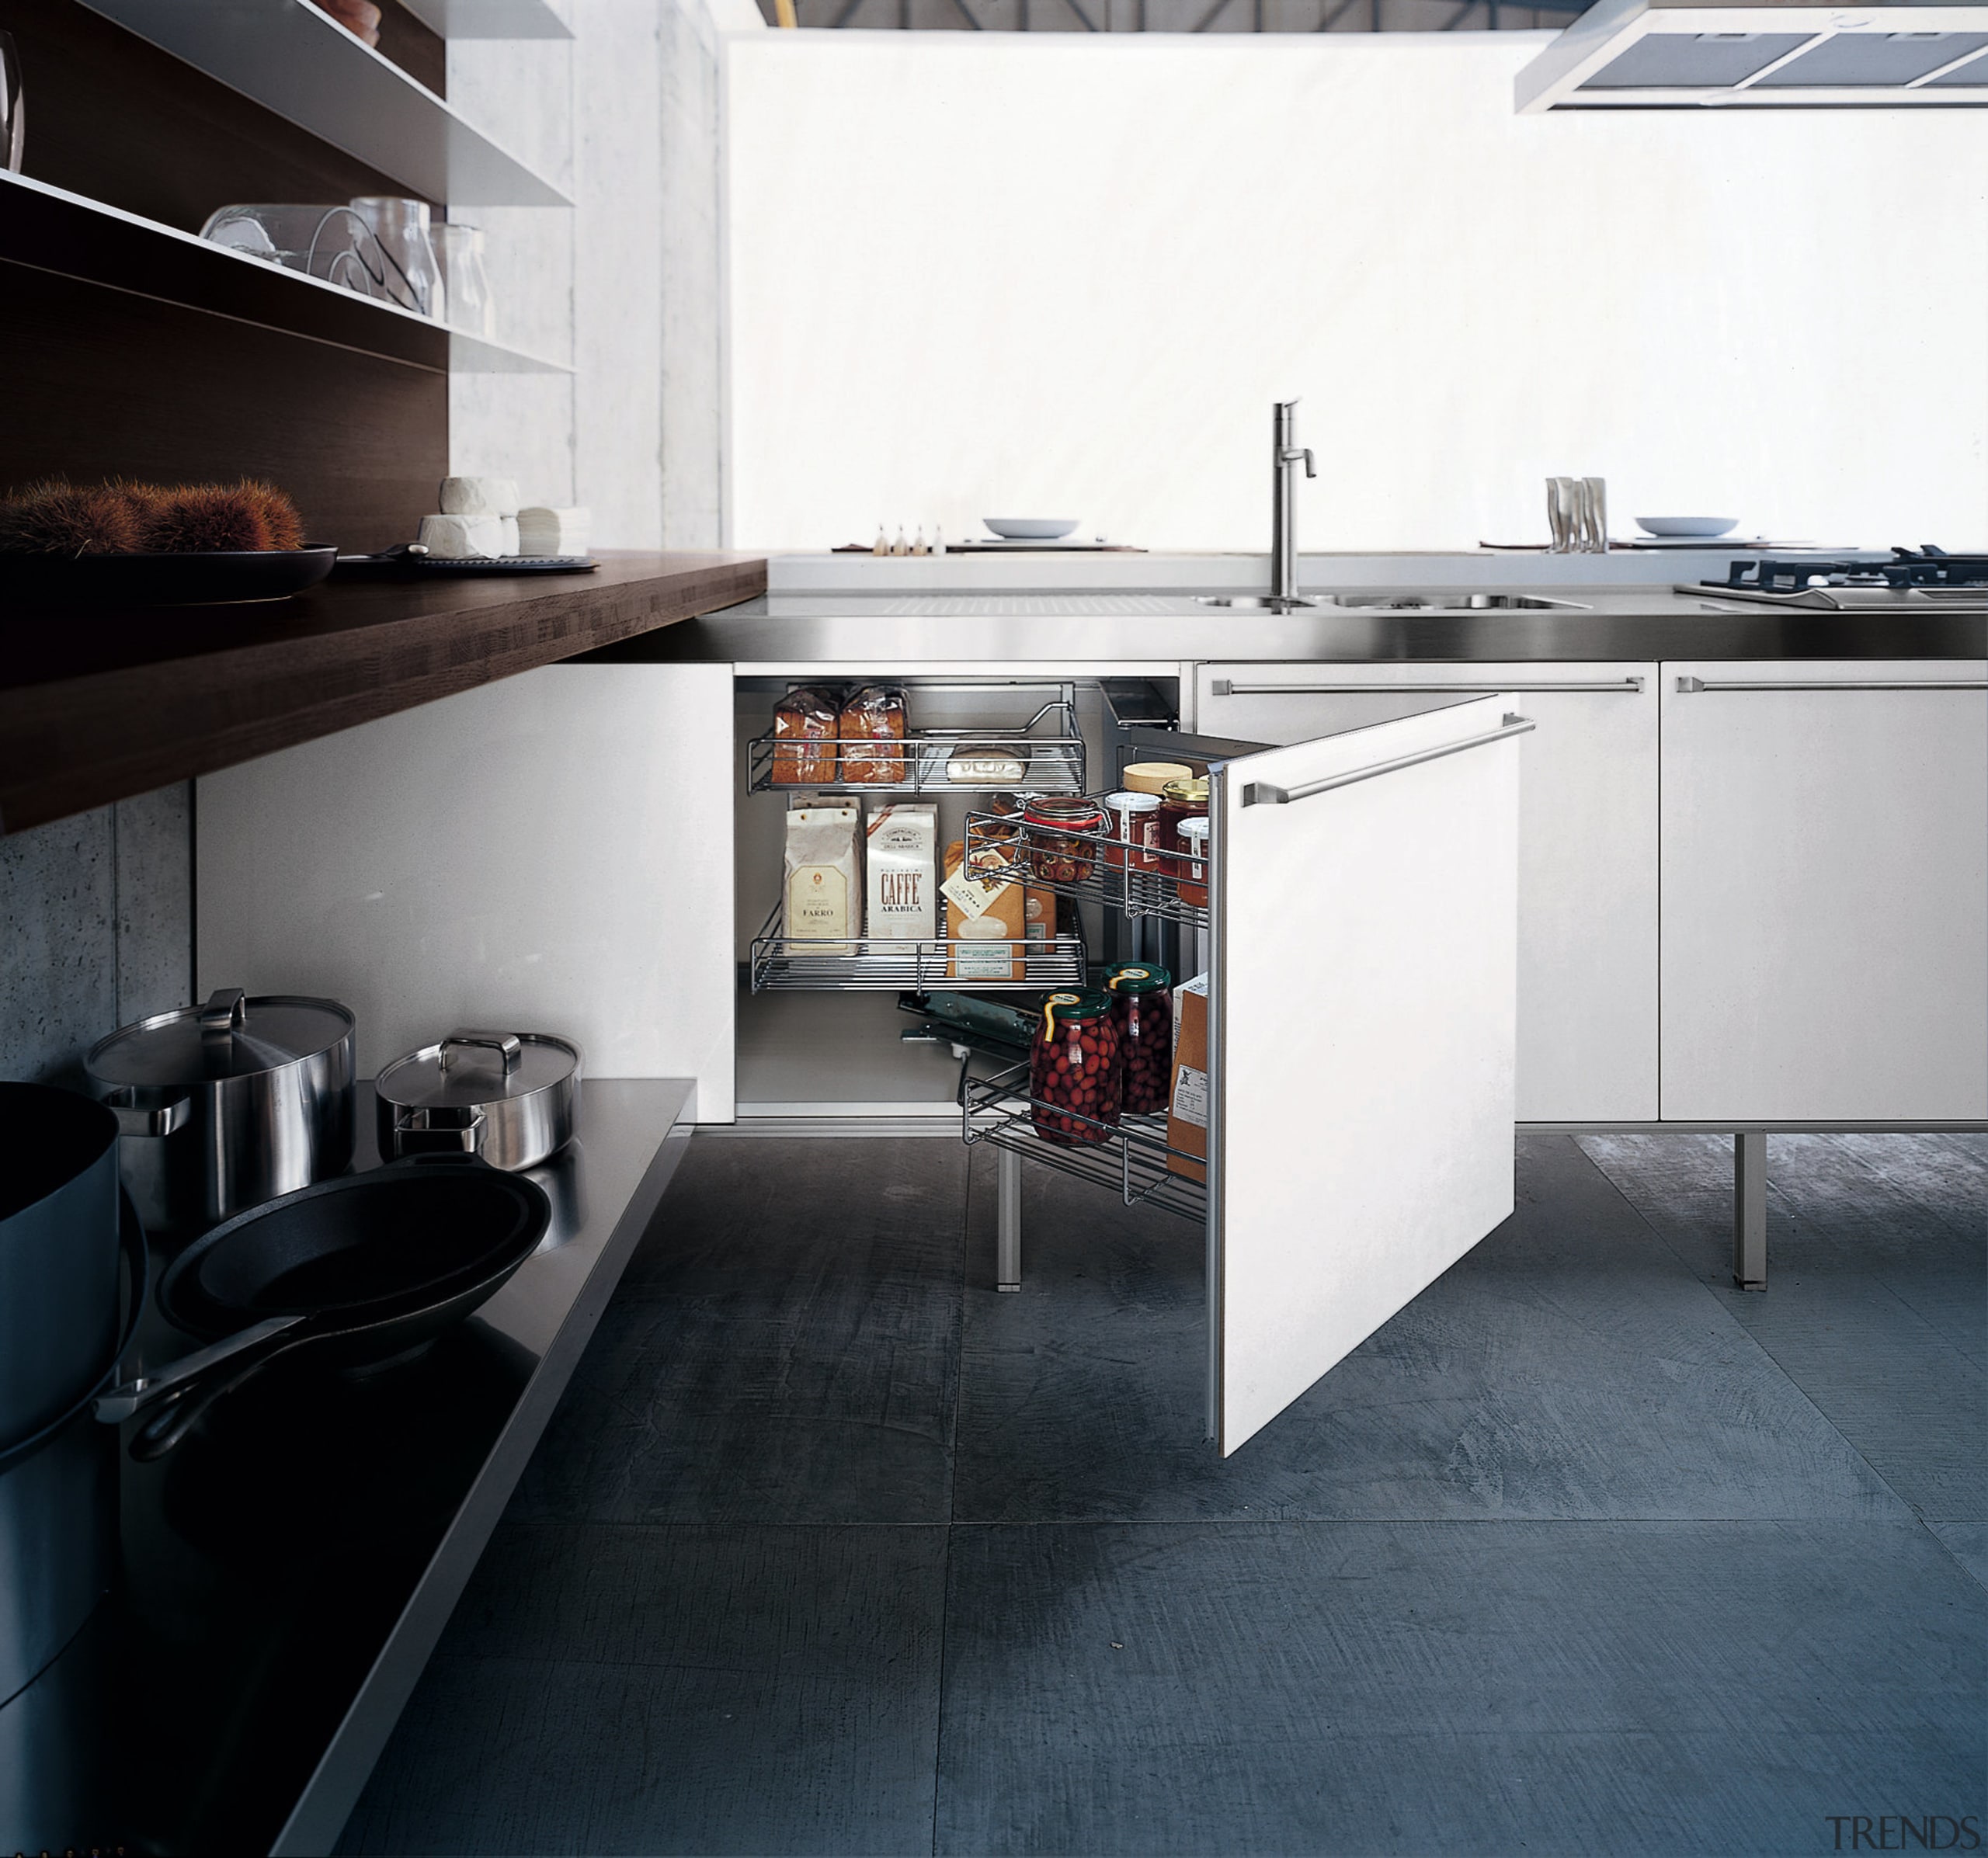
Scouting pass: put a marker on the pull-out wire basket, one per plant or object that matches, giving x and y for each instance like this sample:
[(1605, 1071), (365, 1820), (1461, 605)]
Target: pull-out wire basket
[(1131, 1159), (894, 964), (1045, 755), (1093, 867)]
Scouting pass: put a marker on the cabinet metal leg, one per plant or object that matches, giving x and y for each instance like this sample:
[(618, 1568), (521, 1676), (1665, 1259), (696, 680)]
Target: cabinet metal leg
[(1007, 1219), (1749, 1209)]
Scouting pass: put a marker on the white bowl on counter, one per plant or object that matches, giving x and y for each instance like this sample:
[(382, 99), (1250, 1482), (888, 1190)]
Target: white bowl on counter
[(1687, 525), (1031, 528)]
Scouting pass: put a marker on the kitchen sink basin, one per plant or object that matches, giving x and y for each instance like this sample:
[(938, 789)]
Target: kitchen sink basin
[(1445, 602), (1439, 602)]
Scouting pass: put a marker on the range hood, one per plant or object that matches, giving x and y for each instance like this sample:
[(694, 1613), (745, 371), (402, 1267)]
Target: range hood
[(1680, 54)]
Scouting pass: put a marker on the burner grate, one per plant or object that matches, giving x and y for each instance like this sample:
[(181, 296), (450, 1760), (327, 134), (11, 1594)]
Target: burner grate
[(1926, 566)]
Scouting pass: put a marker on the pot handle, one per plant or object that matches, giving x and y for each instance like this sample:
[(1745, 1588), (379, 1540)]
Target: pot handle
[(131, 1237), (226, 1011), (505, 1044), (415, 1132), (136, 1120)]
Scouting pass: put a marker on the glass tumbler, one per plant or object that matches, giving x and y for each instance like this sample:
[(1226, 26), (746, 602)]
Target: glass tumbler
[(465, 283), (402, 229), (13, 105)]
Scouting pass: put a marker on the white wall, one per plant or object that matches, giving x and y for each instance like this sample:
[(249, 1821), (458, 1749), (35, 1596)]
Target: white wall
[(1000, 273)]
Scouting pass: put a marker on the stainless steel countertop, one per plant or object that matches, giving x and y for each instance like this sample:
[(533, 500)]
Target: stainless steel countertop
[(1096, 628)]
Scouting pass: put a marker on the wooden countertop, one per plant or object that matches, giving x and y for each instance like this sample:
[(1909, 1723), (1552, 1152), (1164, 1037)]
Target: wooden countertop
[(96, 705)]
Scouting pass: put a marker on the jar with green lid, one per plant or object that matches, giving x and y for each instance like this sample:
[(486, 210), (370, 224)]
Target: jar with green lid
[(1075, 1072), (1178, 800), (1142, 1005)]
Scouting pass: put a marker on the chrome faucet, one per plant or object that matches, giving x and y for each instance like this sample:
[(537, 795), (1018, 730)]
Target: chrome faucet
[(1284, 456)]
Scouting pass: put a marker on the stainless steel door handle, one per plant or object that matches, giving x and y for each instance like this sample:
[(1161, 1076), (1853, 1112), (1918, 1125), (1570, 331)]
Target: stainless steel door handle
[(1260, 793), (1688, 685), (1224, 687)]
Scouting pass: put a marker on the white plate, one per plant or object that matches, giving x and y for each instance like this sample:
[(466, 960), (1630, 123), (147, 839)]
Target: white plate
[(1031, 528), (1687, 525)]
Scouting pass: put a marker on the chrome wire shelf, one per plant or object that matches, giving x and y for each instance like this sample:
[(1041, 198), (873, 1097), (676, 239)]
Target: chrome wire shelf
[(1052, 761), (1001, 846), (895, 965), (1131, 1160)]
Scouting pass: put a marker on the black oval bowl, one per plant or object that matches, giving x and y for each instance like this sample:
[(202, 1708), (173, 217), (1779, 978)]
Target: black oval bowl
[(175, 580)]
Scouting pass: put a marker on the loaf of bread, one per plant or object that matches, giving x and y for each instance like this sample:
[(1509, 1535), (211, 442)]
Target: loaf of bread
[(804, 728), (875, 713)]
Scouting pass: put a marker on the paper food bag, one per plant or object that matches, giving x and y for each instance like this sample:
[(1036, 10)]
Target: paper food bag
[(1187, 1106)]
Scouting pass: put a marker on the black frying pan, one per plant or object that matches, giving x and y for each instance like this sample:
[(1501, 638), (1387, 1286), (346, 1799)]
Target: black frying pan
[(361, 1270)]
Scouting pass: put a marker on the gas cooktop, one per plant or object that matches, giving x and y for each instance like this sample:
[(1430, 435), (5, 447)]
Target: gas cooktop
[(1925, 576)]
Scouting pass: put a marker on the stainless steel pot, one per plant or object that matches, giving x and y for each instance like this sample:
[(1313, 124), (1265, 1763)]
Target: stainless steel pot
[(511, 1097), (225, 1106)]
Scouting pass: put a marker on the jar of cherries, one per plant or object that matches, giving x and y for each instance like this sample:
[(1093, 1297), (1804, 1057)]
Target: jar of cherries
[(1142, 1008), (1063, 834), (1076, 1073)]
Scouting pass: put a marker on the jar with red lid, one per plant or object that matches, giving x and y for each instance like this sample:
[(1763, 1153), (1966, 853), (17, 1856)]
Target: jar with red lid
[(1142, 1008), (1192, 883), (1179, 800), (1063, 832), (1075, 1075)]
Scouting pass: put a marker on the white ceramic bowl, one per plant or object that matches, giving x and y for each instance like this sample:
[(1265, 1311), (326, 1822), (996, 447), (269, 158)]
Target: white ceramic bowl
[(1686, 526), (1030, 528)]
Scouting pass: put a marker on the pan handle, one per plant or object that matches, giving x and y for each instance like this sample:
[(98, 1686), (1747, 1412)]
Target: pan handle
[(141, 1390), (183, 1411), (133, 1120)]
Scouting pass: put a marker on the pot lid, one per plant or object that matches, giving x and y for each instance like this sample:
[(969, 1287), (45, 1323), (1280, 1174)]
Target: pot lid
[(232, 1036), (469, 1068)]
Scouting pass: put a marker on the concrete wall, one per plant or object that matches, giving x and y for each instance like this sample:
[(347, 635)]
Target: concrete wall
[(1066, 274), (626, 118), (96, 928)]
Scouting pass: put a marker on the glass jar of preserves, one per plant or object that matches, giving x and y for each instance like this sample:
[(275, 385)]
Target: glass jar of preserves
[(1063, 834), (1191, 884), (1135, 825), (1182, 799), (1142, 1007), (1076, 1076)]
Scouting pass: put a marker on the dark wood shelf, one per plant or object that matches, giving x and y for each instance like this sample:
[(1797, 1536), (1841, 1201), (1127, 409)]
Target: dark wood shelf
[(49, 229), (95, 706)]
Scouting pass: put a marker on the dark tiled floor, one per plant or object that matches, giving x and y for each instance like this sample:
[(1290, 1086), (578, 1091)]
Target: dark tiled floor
[(832, 1549)]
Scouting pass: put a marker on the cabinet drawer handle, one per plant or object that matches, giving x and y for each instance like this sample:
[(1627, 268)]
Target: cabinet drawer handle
[(1224, 687), (1686, 685), (1260, 793)]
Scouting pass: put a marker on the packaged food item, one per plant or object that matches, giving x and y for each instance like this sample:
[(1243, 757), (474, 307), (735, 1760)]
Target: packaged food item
[(1075, 1075), (1187, 1108), (873, 714), (1151, 776), (1192, 882), (804, 723), (824, 889), (985, 907), (976, 764), (1143, 1009), (1063, 835), (900, 865)]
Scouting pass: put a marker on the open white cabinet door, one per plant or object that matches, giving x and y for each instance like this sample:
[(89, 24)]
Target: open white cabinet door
[(1362, 1027)]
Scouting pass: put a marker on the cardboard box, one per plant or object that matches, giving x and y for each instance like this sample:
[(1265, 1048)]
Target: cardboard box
[(1187, 1103)]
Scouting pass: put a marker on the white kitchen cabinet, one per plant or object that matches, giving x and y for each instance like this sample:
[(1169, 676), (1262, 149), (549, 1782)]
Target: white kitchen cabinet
[(1363, 1005), (1825, 892), (552, 852), (1587, 946)]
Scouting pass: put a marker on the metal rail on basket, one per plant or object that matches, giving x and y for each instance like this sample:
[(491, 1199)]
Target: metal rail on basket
[(1050, 764), (1131, 1159), (895, 965), (1115, 880)]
